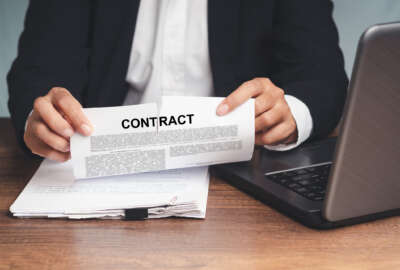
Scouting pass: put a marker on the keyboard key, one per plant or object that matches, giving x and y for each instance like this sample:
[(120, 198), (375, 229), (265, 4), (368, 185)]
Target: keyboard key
[(297, 178), (301, 190), (304, 182), (315, 188), (293, 185), (316, 181), (311, 195), (283, 181)]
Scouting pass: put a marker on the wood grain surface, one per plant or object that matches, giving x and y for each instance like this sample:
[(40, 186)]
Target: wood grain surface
[(238, 233)]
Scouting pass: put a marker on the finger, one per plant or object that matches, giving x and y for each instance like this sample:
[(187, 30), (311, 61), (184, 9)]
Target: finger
[(46, 111), (50, 138), (40, 148), (72, 110), (268, 119), (239, 96), (275, 134), (66, 117), (292, 138), (263, 103), (287, 140)]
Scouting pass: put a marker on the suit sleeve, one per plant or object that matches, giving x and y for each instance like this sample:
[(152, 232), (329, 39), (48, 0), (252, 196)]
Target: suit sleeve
[(53, 50), (308, 63)]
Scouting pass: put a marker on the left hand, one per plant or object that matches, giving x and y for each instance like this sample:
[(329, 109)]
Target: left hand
[(274, 123)]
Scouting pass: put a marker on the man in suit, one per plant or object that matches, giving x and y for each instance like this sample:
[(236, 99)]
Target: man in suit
[(283, 53)]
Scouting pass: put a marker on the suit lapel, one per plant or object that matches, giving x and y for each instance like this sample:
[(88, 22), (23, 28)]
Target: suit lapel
[(223, 40)]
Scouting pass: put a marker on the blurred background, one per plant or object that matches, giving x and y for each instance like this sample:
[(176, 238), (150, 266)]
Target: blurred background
[(352, 18)]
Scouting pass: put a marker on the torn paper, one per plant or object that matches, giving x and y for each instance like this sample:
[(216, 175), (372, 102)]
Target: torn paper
[(183, 132)]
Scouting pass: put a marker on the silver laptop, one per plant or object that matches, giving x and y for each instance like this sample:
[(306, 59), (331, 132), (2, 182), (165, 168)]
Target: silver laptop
[(329, 183)]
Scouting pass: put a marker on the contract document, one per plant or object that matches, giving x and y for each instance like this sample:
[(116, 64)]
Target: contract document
[(54, 193), (179, 132)]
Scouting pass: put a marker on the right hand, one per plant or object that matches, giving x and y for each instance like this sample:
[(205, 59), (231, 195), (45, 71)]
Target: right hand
[(54, 119)]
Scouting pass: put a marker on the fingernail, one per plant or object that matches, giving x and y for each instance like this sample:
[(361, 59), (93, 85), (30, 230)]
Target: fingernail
[(86, 129), (222, 109), (68, 132)]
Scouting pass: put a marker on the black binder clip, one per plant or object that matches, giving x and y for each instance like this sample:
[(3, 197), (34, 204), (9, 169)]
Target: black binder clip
[(136, 213)]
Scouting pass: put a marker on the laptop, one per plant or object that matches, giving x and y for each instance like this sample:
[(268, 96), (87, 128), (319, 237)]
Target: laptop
[(355, 178)]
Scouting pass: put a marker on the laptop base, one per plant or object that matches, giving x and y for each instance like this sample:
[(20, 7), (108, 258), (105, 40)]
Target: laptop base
[(250, 178)]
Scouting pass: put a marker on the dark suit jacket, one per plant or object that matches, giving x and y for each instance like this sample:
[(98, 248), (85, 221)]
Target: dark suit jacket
[(84, 46)]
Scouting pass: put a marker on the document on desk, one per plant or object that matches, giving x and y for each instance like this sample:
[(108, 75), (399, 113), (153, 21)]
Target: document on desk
[(54, 193), (180, 132)]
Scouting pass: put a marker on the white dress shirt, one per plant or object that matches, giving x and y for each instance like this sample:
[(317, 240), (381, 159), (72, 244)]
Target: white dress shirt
[(170, 56)]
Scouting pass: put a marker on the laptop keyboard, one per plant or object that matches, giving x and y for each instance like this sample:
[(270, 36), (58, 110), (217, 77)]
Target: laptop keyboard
[(309, 182)]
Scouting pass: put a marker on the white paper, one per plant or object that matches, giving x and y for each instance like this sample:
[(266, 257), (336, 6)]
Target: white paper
[(52, 192), (199, 138)]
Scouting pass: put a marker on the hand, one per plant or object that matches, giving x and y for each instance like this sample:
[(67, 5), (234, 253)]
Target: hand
[(54, 119), (274, 122)]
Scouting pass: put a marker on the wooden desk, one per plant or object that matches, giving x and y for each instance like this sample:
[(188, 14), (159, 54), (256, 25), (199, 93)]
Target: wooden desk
[(238, 233)]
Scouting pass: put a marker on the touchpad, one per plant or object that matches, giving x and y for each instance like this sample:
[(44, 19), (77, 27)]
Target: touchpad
[(306, 155)]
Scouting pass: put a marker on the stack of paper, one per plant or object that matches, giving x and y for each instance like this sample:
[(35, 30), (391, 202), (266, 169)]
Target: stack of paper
[(181, 132), (52, 192)]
